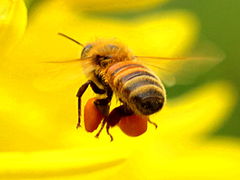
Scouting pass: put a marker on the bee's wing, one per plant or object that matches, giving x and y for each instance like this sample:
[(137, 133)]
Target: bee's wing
[(54, 75), (172, 70)]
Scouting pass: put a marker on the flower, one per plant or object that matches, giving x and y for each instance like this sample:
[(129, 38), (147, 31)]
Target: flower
[(38, 135)]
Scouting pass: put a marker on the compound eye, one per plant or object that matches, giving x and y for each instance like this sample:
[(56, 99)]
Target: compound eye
[(85, 50)]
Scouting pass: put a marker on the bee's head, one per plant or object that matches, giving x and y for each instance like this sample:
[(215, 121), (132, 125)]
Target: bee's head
[(104, 53)]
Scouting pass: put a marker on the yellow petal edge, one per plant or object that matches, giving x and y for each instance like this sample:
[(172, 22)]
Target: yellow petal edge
[(114, 6), (13, 20)]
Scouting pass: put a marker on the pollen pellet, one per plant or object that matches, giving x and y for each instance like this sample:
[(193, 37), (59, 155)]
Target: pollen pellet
[(133, 125), (92, 116)]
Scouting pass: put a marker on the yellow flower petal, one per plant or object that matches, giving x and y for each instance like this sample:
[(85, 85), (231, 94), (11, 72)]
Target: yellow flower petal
[(20, 120), (214, 159), (13, 20), (196, 114), (75, 163), (114, 6)]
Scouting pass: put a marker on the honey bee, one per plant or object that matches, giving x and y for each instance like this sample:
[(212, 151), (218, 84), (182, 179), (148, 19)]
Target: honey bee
[(111, 68)]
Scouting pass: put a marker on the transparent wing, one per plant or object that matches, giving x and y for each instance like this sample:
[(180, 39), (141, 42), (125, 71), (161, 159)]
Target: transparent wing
[(183, 70), (54, 75)]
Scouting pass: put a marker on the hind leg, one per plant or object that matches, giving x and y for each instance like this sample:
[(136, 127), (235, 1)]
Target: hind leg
[(113, 118)]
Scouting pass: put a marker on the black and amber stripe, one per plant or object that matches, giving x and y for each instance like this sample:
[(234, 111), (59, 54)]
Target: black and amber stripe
[(137, 86)]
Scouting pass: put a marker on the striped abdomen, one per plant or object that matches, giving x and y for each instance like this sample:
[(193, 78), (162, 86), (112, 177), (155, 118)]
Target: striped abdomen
[(137, 86)]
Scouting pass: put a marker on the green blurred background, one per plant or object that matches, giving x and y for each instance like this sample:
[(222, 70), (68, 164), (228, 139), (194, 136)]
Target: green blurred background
[(219, 21), (219, 24)]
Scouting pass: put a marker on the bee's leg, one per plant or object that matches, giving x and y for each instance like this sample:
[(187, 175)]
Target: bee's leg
[(103, 107), (153, 123), (115, 116), (106, 119), (103, 104), (81, 91), (102, 126), (111, 137)]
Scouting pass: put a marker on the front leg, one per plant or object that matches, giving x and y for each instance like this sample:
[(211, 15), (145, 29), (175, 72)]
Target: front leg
[(81, 91)]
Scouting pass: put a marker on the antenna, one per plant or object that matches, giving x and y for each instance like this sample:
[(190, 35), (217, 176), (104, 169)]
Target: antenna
[(64, 35)]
